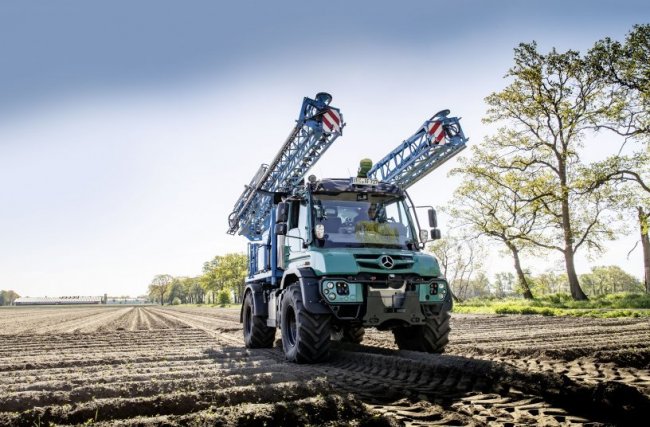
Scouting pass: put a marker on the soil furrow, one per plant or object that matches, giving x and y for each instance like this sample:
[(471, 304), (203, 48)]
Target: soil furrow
[(184, 365)]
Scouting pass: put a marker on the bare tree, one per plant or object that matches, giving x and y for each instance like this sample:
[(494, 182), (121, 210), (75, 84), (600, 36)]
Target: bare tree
[(459, 260)]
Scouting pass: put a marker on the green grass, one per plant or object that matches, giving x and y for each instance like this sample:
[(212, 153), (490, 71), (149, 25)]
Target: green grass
[(607, 306)]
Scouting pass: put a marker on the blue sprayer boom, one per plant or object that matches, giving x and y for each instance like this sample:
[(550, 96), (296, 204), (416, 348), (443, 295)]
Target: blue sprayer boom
[(329, 257), (439, 139), (316, 129)]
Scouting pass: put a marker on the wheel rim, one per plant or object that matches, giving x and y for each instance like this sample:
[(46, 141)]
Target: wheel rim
[(292, 327)]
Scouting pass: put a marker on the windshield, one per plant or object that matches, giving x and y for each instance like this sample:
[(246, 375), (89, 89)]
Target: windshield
[(363, 219)]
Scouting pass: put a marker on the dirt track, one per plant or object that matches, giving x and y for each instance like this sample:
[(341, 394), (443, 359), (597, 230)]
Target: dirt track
[(151, 365)]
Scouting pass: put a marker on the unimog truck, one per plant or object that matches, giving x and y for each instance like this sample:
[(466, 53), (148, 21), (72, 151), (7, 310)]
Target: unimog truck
[(329, 257)]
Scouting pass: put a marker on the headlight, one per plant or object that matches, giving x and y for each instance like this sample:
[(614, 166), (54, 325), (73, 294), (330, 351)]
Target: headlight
[(342, 288)]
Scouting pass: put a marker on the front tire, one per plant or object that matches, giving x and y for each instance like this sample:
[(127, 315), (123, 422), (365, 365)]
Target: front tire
[(432, 337), (305, 336), (256, 333)]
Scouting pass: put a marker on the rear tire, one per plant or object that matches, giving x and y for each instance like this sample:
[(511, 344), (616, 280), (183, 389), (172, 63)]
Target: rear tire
[(256, 333), (353, 334), (432, 337), (305, 336)]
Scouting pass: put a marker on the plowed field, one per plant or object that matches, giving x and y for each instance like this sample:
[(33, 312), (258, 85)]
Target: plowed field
[(188, 366)]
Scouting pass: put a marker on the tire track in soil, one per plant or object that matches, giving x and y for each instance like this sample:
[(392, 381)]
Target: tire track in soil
[(203, 372), (369, 381), (153, 386), (622, 363), (582, 369)]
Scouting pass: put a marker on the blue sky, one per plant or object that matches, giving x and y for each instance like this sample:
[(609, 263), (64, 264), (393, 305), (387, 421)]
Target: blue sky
[(128, 129)]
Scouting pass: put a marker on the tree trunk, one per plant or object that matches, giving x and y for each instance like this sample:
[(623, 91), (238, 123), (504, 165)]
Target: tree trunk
[(645, 243), (574, 283), (520, 273), (454, 297)]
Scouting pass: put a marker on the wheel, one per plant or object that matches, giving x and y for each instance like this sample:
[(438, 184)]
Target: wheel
[(256, 333), (353, 334), (305, 336), (432, 337)]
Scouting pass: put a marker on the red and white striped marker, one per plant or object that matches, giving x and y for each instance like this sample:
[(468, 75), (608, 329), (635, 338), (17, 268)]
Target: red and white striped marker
[(331, 121), (436, 132)]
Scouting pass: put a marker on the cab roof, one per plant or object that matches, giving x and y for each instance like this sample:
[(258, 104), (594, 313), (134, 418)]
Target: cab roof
[(340, 185)]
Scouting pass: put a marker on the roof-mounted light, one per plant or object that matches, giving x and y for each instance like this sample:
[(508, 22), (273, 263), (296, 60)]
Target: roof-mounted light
[(324, 97)]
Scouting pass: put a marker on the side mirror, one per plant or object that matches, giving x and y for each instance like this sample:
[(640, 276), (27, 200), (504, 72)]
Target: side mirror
[(435, 234), (282, 213), (424, 236), (433, 218), (281, 229)]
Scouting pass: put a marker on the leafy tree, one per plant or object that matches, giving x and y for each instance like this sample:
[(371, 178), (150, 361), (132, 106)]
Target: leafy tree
[(625, 69), (177, 290), (550, 283), (196, 291), (209, 280), (8, 297), (232, 271), (225, 272), (504, 284), (494, 203), (479, 286), (159, 287), (223, 297), (631, 177), (550, 104), (610, 279)]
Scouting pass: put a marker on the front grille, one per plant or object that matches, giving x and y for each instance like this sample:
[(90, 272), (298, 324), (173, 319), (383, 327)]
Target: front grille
[(401, 262)]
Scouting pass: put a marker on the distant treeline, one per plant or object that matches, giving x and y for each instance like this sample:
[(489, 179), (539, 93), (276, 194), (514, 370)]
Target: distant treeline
[(8, 297), (222, 282)]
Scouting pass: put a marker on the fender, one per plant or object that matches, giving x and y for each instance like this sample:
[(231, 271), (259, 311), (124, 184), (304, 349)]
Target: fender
[(449, 303), (308, 281), (260, 308)]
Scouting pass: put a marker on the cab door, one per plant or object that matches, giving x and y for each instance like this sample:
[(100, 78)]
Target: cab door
[(297, 233)]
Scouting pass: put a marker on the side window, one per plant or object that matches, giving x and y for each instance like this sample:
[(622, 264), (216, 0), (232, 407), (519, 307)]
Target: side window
[(302, 220), (293, 215), (297, 224), (393, 212)]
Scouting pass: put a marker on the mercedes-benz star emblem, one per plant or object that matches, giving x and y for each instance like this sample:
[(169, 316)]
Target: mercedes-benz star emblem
[(387, 262)]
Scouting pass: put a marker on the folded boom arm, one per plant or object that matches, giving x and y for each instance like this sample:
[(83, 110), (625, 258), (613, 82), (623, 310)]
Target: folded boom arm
[(316, 129), (438, 139)]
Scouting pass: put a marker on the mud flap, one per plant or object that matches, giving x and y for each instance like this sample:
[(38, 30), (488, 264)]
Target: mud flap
[(260, 307), (311, 298), (309, 288)]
